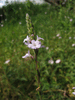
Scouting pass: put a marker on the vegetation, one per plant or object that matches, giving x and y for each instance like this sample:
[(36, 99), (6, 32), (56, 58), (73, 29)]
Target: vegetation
[(56, 62)]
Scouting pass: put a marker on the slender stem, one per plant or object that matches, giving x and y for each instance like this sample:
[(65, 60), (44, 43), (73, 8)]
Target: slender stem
[(38, 73)]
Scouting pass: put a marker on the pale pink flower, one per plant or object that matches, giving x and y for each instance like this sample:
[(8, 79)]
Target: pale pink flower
[(47, 48), (69, 37), (70, 20), (58, 35), (73, 93), (57, 61), (27, 55), (35, 44), (6, 62), (73, 88), (39, 38), (1, 15), (50, 61), (73, 45), (20, 8), (1, 25), (27, 40), (20, 23), (5, 19), (45, 12)]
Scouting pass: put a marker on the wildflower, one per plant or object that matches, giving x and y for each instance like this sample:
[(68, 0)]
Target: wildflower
[(70, 20), (6, 62), (35, 44), (58, 35), (57, 61), (50, 61), (27, 55), (73, 45), (5, 19), (1, 25), (45, 12), (47, 48), (20, 23), (74, 37), (20, 8), (1, 15), (27, 40), (73, 93), (73, 88), (39, 38), (12, 40), (69, 37), (32, 34)]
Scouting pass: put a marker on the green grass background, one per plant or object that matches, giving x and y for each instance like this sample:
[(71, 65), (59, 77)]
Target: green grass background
[(18, 77)]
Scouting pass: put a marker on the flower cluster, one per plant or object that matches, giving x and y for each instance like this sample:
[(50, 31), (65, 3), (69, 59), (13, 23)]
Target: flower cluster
[(30, 40), (74, 90), (32, 44), (57, 61), (29, 24)]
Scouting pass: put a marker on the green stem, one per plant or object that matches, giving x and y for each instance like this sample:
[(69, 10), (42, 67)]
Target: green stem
[(38, 73)]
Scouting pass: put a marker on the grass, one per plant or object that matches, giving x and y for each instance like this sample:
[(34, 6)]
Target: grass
[(17, 78)]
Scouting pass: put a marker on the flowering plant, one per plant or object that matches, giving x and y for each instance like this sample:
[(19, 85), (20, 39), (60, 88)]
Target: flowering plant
[(34, 44)]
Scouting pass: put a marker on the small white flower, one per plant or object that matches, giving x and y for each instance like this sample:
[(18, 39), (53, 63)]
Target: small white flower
[(35, 44), (73, 45), (5, 19), (6, 62), (1, 25), (68, 17), (57, 61), (58, 35), (20, 23), (27, 40), (47, 48), (39, 38), (73, 93), (69, 37), (27, 55), (20, 8), (73, 88), (74, 37), (45, 12), (27, 15), (32, 34), (1, 15), (70, 20), (50, 61), (12, 40)]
